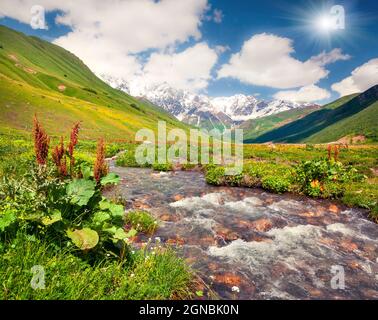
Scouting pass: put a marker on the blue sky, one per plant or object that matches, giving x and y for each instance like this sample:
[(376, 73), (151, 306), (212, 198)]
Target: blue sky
[(192, 52), (288, 19)]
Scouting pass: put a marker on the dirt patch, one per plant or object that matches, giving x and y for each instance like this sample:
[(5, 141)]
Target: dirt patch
[(29, 70), (61, 87), (374, 171), (352, 139), (13, 57), (26, 69)]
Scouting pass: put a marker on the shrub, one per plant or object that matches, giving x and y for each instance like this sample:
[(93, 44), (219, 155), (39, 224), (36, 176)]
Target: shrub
[(127, 159), (162, 167), (332, 190), (141, 221), (188, 166), (234, 180), (112, 150), (90, 90), (215, 175), (275, 184), (136, 107), (324, 177)]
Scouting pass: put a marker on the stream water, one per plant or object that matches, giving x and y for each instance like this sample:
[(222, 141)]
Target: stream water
[(269, 246)]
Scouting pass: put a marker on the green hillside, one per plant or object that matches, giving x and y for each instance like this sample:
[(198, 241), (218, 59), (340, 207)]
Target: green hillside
[(39, 77), (348, 116), (256, 127)]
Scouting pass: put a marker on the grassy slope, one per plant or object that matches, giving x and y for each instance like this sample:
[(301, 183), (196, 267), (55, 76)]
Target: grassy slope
[(256, 127), (350, 115), (31, 70), (364, 122)]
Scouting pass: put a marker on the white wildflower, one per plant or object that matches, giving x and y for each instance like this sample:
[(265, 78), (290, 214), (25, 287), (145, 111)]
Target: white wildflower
[(235, 289)]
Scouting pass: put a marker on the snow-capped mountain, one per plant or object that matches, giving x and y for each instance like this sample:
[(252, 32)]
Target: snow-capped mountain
[(201, 110)]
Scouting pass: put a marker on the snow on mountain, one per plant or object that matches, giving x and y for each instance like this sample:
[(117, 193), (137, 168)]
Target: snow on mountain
[(201, 110)]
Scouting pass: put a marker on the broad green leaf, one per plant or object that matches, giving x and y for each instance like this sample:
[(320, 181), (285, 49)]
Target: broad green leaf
[(86, 171), (111, 178), (55, 216), (81, 191), (131, 233), (120, 234), (117, 210), (199, 293), (7, 219), (104, 204), (100, 216), (84, 239), (111, 230)]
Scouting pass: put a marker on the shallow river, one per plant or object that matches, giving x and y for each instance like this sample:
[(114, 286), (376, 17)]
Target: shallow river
[(268, 246)]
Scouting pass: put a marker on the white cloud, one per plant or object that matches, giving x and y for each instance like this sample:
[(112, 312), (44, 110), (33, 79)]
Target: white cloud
[(109, 35), (311, 93), (325, 58), (187, 70), (361, 79), (221, 49), (266, 60)]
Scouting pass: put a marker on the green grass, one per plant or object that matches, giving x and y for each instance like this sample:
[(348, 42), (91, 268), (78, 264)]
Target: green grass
[(349, 116), (31, 70), (157, 274), (257, 127), (272, 168)]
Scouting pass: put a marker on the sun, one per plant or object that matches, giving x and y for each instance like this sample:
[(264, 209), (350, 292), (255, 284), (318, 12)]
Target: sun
[(324, 23)]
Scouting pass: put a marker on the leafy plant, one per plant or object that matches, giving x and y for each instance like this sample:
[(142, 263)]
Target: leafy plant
[(162, 167), (322, 177), (127, 159), (276, 184), (84, 239), (141, 221), (81, 191), (215, 175)]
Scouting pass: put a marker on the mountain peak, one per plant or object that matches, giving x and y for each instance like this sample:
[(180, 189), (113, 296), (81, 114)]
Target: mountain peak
[(200, 109)]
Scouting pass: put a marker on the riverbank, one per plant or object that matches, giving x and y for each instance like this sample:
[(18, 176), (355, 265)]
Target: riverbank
[(312, 170)]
